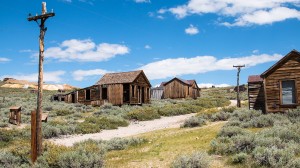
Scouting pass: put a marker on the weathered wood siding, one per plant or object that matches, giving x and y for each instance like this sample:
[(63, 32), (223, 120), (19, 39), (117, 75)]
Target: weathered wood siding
[(115, 94), (193, 91), (288, 71), (256, 96), (175, 89), (157, 93)]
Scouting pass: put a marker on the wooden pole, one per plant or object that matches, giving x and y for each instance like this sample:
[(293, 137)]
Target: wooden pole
[(33, 137), (238, 103), (38, 133)]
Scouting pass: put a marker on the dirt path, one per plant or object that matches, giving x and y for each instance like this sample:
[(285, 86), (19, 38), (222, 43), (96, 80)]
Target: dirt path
[(134, 128)]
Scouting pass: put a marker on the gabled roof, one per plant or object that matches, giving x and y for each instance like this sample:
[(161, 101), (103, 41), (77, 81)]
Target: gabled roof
[(186, 82), (254, 78), (280, 63), (121, 77)]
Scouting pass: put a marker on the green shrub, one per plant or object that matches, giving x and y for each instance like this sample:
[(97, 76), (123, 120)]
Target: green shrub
[(122, 143), (195, 160), (220, 116), (86, 128), (272, 157), (95, 124), (239, 158), (50, 131), (81, 158), (8, 160), (243, 143), (231, 131), (194, 122), (295, 163), (63, 112), (143, 114), (229, 109)]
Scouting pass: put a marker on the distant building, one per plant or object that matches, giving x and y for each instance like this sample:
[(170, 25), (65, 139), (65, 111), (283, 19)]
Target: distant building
[(180, 88), (242, 88), (115, 88)]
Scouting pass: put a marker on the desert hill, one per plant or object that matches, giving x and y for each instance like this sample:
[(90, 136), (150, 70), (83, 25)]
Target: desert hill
[(14, 83)]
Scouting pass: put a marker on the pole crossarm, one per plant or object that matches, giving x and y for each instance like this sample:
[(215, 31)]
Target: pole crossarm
[(44, 16)]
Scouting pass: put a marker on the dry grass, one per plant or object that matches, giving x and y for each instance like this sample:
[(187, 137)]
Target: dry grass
[(165, 145)]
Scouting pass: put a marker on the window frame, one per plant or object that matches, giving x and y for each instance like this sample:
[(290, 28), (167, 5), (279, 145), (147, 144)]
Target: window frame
[(88, 94), (295, 92)]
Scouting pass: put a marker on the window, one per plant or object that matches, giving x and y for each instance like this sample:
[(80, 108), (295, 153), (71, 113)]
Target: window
[(104, 93), (188, 90), (88, 94), (132, 90), (288, 92)]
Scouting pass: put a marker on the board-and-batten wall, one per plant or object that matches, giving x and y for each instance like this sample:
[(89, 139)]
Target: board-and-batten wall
[(256, 96), (272, 83), (175, 89)]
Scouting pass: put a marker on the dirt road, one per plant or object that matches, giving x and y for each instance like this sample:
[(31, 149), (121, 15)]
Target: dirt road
[(134, 128)]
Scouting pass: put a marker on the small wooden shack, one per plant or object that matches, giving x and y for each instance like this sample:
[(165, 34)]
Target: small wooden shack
[(281, 84), (115, 88), (179, 88), (157, 93), (256, 97)]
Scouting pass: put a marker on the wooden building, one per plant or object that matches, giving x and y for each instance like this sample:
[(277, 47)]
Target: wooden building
[(281, 84), (157, 93), (242, 88), (256, 97), (115, 88), (179, 88)]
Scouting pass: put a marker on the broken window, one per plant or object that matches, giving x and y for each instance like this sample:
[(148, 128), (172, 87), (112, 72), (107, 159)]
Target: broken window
[(288, 92)]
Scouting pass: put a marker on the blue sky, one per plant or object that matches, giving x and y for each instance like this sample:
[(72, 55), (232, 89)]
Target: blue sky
[(190, 39)]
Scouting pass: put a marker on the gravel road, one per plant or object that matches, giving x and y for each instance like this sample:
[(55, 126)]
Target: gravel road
[(134, 128)]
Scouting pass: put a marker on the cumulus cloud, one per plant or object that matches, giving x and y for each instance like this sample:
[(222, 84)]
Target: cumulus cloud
[(4, 60), (85, 51), (142, 1), (201, 64), (148, 47), (54, 76), (79, 75), (192, 30), (209, 85), (243, 13)]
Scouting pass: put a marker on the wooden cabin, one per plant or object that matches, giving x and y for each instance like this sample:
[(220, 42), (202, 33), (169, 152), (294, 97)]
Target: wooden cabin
[(179, 88), (256, 97), (242, 88), (115, 88), (281, 84)]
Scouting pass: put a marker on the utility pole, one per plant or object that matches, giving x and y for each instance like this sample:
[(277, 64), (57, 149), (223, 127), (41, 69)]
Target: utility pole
[(36, 139), (238, 104)]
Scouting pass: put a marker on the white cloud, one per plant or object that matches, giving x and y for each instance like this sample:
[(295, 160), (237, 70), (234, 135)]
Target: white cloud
[(209, 85), (142, 1), (54, 76), (244, 13), (4, 59), (79, 75), (85, 51), (26, 51), (255, 51), (148, 47), (201, 64), (192, 30), (262, 17)]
